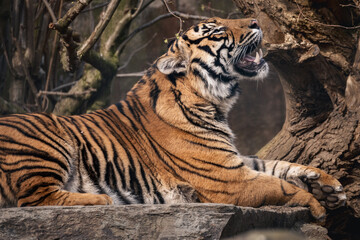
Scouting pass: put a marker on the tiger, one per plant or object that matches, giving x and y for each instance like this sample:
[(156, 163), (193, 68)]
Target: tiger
[(168, 141)]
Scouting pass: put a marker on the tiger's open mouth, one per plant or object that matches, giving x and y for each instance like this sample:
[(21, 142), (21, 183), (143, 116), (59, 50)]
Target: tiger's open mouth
[(251, 62)]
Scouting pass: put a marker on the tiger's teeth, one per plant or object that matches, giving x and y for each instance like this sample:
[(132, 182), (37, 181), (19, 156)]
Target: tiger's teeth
[(261, 53), (257, 58)]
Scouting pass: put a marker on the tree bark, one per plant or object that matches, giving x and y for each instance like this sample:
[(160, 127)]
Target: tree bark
[(312, 45)]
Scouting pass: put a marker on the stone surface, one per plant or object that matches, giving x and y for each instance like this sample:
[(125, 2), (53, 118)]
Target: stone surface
[(180, 221)]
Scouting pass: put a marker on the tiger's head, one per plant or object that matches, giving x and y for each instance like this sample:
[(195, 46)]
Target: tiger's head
[(215, 54)]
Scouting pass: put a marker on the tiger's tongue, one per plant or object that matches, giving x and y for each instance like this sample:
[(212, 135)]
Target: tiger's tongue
[(255, 59)]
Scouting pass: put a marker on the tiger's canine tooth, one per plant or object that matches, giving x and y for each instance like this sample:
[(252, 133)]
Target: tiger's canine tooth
[(261, 53), (257, 58)]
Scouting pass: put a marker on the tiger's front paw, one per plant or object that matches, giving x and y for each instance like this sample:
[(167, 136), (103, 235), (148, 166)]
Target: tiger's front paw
[(325, 188)]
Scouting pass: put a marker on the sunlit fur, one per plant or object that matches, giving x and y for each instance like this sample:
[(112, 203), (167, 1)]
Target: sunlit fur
[(167, 142)]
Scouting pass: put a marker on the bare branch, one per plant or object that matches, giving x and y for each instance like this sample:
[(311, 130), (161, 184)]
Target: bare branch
[(64, 94), (349, 5), (134, 52), (63, 23), (145, 6), (119, 28), (155, 20), (138, 8), (5, 52), (48, 7), (104, 20), (53, 53), (69, 58), (95, 7), (135, 74), (63, 86), (173, 14)]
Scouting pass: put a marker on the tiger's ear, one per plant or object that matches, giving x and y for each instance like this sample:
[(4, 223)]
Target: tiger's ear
[(168, 64)]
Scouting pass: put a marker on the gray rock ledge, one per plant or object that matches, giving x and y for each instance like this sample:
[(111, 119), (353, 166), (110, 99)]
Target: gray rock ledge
[(178, 221)]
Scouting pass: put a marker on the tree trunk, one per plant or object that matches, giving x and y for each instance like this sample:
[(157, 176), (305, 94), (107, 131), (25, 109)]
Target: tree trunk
[(103, 67), (312, 45)]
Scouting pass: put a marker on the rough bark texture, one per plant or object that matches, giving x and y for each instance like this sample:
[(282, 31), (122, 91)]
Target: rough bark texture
[(180, 221), (319, 72)]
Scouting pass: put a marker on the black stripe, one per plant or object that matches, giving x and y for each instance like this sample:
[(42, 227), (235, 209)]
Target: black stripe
[(35, 153), (121, 110), (34, 137), (154, 94), (234, 90), (212, 147), (284, 192), (263, 165), (44, 174), (134, 182), (32, 190), (219, 165), (110, 179), (212, 73), (199, 74), (40, 200), (89, 147), (55, 142), (256, 165), (181, 168), (207, 49), (286, 172), (243, 37), (30, 168), (89, 168), (96, 137), (144, 178), (157, 193), (273, 169), (4, 196), (174, 76), (201, 124)]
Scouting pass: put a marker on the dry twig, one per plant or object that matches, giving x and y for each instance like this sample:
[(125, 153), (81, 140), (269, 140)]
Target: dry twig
[(155, 20), (44, 104), (64, 94), (135, 74), (134, 52), (104, 20), (172, 13), (63, 23), (101, 5), (48, 7)]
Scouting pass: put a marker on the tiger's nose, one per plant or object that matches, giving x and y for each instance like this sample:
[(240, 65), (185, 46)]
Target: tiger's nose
[(254, 24)]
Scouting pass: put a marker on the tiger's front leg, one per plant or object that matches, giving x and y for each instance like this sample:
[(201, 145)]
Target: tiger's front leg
[(256, 189), (326, 189)]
